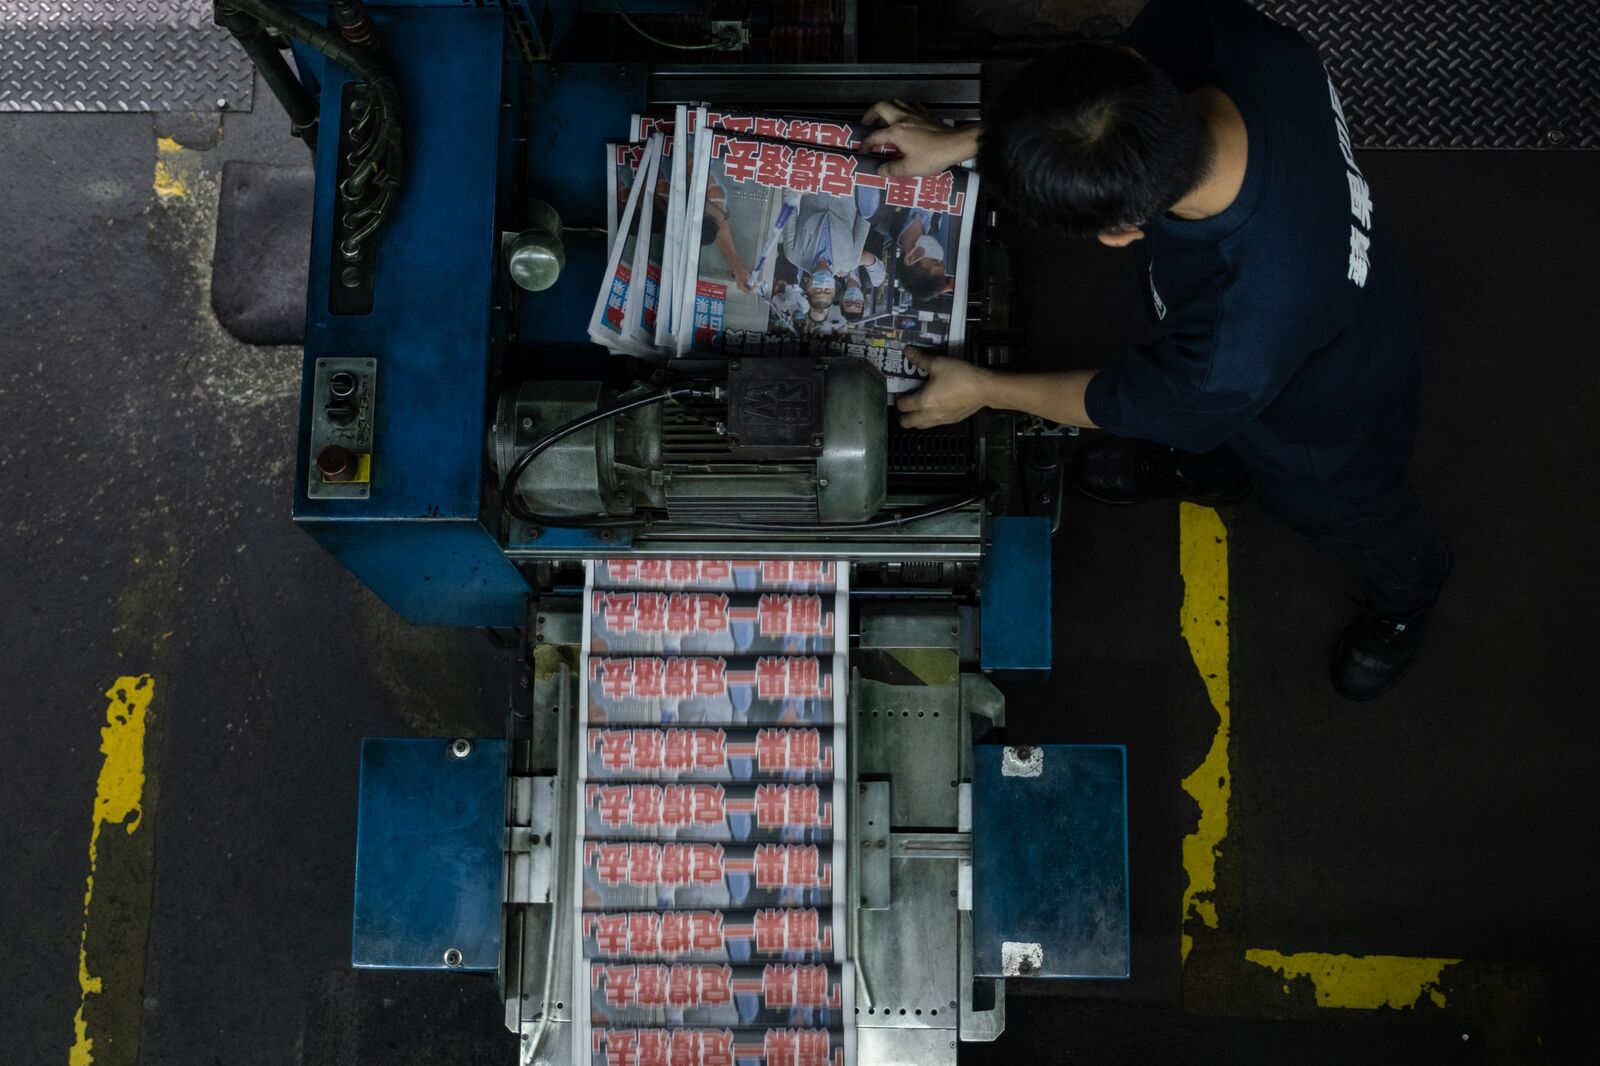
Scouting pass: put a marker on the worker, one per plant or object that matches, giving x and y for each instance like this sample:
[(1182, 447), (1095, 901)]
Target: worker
[(1286, 328)]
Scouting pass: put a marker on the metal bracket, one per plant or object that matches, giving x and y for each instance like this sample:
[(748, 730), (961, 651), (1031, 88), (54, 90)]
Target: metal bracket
[(528, 837), (873, 836), (978, 1024)]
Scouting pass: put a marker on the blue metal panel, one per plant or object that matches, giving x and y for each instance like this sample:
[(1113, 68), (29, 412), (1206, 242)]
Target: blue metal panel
[(1014, 596), (418, 541), (1050, 860), (428, 855), (576, 109), (556, 538), (434, 573)]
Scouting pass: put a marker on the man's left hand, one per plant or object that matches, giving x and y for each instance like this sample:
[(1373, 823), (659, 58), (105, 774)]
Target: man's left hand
[(955, 390)]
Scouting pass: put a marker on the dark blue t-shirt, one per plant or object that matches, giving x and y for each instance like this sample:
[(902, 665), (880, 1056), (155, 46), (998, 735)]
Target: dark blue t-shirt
[(1287, 327)]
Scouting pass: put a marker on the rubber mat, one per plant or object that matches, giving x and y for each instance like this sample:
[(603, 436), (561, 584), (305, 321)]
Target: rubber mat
[(119, 55), (1459, 73), (262, 259)]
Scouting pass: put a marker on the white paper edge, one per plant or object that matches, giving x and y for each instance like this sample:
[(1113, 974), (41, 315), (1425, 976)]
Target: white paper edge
[(958, 299), (581, 1026), (597, 333), (633, 317), (691, 243), (666, 328)]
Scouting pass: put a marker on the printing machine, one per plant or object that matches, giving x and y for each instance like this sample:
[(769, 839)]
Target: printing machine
[(458, 150)]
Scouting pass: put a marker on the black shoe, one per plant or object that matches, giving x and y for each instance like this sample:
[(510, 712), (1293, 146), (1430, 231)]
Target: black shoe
[(1117, 471), (1376, 649)]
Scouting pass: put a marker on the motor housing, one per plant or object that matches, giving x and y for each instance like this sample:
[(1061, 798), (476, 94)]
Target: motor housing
[(795, 441)]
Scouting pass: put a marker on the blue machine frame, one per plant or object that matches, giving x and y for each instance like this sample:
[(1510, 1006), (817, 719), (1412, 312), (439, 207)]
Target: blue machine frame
[(420, 541)]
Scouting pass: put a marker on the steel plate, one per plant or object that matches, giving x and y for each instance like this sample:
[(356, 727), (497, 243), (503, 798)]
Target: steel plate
[(119, 55)]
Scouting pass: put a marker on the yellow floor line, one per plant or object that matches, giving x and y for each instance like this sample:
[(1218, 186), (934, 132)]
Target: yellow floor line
[(1203, 561), (119, 795), (1364, 982), (170, 177), (1361, 982)]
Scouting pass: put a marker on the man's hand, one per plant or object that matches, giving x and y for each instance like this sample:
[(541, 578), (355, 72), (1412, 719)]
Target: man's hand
[(955, 390), (925, 144)]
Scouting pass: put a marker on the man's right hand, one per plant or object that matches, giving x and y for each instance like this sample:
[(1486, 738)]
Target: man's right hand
[(925, 144)]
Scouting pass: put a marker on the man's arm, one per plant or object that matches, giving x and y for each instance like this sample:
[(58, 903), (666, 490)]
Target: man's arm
[(957, 390), (925, 144)]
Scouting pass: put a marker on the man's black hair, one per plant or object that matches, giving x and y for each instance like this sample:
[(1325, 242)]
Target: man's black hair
[(921, 284), (1090, 138)]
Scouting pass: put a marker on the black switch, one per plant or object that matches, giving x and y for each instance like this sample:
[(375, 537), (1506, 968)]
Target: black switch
[(341, 412)]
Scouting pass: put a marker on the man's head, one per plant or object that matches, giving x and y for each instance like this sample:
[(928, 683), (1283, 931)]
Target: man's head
[(1092, 140), (922, 271), (853, 302), (820, 289)]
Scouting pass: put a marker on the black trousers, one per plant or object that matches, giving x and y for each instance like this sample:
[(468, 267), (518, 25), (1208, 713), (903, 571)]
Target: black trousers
[(1390, 542)]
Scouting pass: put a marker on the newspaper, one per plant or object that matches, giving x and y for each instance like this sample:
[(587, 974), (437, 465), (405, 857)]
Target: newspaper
[(761, 575), (622, 170), (708, 879), (716, 1047), (735, 813), (706, 689), (776, 235), (717, 994), (788, 934), (818, 253), (699, 753), (827, 132), (608, 324)]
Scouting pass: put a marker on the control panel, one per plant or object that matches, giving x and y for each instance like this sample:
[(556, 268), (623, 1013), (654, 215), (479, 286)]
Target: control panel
[(343, 398)]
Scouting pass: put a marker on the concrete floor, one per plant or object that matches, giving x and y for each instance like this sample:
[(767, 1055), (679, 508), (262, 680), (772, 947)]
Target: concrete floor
[(145, 468)]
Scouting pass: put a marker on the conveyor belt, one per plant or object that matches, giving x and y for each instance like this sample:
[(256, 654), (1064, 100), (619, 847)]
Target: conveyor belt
[(712, 800)]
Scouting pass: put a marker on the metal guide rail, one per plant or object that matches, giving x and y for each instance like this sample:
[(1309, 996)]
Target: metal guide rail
[(709, 837)]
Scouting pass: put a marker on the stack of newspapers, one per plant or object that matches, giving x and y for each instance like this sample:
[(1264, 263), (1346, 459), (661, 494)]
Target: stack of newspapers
[(743, 234)]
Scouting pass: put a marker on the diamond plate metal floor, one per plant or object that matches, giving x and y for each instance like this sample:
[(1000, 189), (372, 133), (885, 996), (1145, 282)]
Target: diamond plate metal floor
[(1459, 73), (118, 55)]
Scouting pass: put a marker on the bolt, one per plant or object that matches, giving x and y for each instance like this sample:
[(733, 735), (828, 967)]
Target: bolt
[(533, 532), (527, 421), (525, 681), (1025, 967), (222, 103), (460, 748), (452, 957), (1555, 136), (722, 429), (822, 482), (816, 442), (621, 496), (608, 534)]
